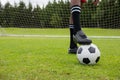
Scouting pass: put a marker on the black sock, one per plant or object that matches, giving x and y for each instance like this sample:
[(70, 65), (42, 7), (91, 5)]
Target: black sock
[(72, 43), (75, 11)]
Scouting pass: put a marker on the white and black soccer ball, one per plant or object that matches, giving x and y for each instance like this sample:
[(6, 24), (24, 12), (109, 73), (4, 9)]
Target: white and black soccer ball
[(88, 54)]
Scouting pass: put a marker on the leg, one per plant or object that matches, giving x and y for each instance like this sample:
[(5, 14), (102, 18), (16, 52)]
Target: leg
[(73, 45), (78, 35)]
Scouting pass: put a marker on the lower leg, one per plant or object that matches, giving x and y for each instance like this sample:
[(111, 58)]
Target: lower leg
[(75, 14), (78, 34), (73, 46)]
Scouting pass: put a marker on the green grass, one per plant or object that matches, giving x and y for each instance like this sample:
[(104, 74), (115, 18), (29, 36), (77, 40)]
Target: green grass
[(36, 58), (91, 32)]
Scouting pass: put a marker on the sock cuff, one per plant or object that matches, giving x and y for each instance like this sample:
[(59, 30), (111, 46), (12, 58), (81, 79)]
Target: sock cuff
[(75, 8), (71, 26)]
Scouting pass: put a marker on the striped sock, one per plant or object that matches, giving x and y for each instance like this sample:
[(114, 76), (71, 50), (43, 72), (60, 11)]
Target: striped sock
[(75, 11)]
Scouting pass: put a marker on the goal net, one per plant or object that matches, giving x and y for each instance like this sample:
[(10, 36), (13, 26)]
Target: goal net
[(22, 17)]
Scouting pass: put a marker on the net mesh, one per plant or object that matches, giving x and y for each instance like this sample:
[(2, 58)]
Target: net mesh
[(55, 14)]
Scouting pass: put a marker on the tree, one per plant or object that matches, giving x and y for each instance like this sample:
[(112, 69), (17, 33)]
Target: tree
[(55, 20), (88, 15), (21, 15), (48, 11), (38, 17), (56, 14), (7, 15), (63, 12), (110, 14), (29, 16), (1, 14)]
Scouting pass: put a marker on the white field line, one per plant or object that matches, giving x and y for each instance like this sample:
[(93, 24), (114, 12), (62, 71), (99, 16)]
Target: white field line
[(57, 36)]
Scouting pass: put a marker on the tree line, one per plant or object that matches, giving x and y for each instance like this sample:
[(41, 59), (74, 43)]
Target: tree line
[(56, 15)]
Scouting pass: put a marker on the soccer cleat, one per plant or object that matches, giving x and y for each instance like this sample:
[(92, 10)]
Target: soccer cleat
[(72, 51), (81, 38)]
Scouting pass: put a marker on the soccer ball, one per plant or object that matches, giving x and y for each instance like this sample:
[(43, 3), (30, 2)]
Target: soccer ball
[(88, 54)]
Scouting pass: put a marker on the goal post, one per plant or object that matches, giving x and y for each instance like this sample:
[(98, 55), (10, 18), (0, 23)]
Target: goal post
[(55, 14)]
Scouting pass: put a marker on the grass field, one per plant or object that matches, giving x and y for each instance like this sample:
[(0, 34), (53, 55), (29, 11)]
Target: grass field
[(42, 58), (90, 32)]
